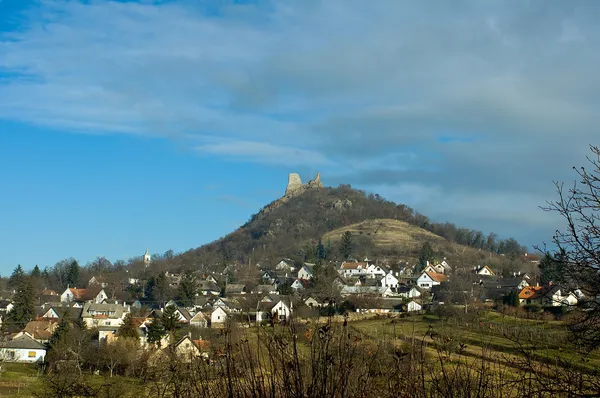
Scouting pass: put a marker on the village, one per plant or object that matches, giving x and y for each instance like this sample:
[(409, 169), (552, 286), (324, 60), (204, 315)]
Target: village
[(282, 291)]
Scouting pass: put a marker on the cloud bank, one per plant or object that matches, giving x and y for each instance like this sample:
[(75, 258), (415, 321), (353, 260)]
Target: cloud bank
[(467, 110)]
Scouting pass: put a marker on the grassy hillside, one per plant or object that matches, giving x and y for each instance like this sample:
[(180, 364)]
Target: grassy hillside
[(287, 228)]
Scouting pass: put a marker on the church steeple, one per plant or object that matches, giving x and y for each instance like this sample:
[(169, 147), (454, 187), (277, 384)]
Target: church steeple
[(147, 258)]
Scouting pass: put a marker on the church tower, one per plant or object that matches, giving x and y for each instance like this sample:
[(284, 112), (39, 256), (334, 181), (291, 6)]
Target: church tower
[(147, 258)]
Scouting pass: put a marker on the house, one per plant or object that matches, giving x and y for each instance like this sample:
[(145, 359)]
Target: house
[(530, 295), (285, 265), (199, 320), (209, 288), (183, 315), (48, 292), (353, 268), (552, 296), (6, 306), (96, 315), (412, 306), (429, 268), (389, 280), (218, 317), (92, 294), (279, 309), (429, 279), (380, 291), (442, 268), (22, 349), (60, 312), (300, 284), (484, 271), (408, 291), (270, 277), (380, 306), (512, 283), (235, 288), (40, 330), (406, 270), (376, 271), (306, 272), (265, 289), (97, 281), (312, 302), (187, 350), (228, 304)]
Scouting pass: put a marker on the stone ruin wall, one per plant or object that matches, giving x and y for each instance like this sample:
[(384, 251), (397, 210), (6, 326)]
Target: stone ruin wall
[(295, 186)]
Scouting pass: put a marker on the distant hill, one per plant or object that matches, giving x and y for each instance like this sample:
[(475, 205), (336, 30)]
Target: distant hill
[(291, 226)]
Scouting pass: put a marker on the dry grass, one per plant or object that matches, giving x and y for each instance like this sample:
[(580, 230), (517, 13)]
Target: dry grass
[(389, 233)]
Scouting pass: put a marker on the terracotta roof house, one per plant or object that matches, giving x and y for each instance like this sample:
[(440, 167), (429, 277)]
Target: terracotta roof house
[(429, 279), (93, 294)]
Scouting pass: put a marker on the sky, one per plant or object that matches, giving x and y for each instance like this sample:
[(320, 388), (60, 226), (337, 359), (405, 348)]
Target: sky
[(164, 125)]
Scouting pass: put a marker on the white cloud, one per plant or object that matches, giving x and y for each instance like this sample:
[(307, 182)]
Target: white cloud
[(262, 152)]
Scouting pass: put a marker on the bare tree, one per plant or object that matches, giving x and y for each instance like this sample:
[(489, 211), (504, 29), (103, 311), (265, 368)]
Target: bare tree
[(579, 242)]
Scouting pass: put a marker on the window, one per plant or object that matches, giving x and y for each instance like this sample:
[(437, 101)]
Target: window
[(31, 354)]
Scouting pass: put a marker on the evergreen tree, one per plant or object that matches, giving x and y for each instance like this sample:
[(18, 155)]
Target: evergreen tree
[(24, 307), (60, 333), (425, 255), (155, 332), (158, 289), (187, 289), (170, 319), (321, 253), (73, 274), (129, 328), (346, 245), (16, 277), (552, 268), (36, 273)]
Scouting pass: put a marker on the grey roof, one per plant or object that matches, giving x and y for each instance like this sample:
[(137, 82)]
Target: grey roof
[(24, 342), (235, 288), (91, 309), (70, 312)]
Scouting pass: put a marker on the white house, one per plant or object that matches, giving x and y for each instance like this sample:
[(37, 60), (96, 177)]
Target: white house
[(429, 279), (199, 320), (96, 315), (22, 349), (218, 317), (485, 270), (353, 268), (374, 271), (414, 292), (279, 309), (413, 306), (284, 265), (443, 268), (94, 295), (299, 284), (306, 272), (312, 302), (389, 280)]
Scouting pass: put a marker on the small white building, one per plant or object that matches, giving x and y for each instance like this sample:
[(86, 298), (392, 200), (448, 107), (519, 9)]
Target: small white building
[(218, 317), (429, 279), (306, 272), (413, 306), (279, 309), (375, 271), (389, 280), (22, 349)]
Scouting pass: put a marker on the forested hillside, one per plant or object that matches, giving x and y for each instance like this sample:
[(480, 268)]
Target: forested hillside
[(294, 229)]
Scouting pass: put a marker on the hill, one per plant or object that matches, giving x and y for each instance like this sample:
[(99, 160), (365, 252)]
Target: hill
[(290, 227)]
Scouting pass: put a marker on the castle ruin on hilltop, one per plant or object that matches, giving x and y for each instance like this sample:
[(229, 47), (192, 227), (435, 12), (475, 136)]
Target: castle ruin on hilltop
[(295, 186)]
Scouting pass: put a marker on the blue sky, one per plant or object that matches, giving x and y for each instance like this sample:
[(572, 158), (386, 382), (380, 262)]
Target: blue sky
[(166, 124)]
